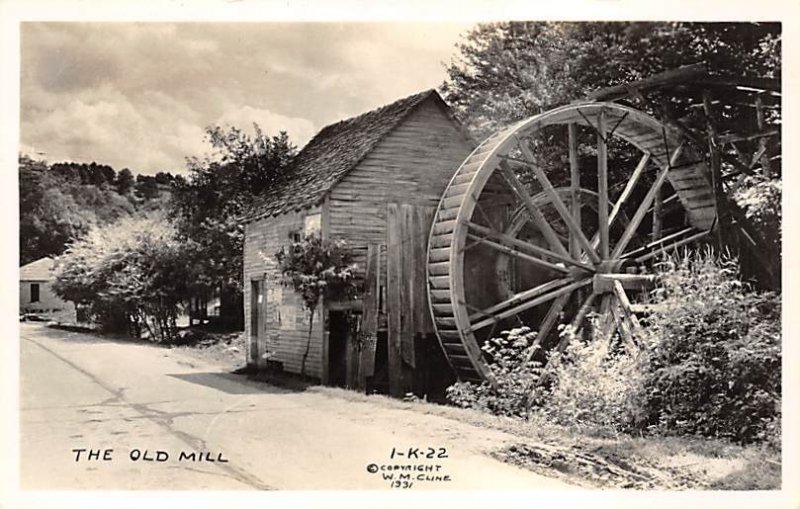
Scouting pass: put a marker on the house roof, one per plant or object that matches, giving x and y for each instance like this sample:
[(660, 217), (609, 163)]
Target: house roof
[(331, 154), (40, 270)]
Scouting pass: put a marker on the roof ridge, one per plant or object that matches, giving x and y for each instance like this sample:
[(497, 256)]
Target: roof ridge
[(379, 109), (332, 153)]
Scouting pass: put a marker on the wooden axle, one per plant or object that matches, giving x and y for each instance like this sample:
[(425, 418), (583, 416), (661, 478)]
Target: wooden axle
[(604, 283)]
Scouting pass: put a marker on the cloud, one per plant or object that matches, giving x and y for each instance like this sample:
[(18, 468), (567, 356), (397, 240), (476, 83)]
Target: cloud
[(300, 129), (139, 95)]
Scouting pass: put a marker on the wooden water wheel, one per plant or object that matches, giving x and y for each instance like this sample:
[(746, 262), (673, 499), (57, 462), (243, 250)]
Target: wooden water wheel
[(541, 224)]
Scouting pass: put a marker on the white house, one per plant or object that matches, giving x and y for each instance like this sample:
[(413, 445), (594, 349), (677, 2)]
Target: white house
[(36, 296)]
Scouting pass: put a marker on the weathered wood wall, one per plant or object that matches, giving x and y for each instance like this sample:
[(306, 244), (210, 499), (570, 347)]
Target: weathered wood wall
[(407, 231), (285, 325)]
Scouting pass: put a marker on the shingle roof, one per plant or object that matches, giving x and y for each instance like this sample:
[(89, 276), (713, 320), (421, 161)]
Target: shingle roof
[(331, 154), (40, 270)]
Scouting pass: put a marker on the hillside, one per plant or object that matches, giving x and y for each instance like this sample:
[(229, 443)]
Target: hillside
[(62, 201)]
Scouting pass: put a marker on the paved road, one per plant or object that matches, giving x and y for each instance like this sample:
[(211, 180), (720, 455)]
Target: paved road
[(82, 392)]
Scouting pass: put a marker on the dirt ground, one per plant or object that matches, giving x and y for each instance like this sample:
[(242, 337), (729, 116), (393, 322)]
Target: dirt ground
[(81, 393)]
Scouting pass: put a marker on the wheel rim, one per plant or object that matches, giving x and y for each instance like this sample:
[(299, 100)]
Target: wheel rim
[(474, 227)]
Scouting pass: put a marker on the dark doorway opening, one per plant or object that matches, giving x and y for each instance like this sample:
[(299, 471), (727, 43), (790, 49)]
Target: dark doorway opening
[(256, 317), (379, 381), (338, 328)]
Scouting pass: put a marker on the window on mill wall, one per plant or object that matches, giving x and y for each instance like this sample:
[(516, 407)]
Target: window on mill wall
[(312, 224), (34, 292)]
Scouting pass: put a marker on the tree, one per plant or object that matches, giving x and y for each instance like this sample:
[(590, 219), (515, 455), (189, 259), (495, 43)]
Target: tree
[(206, 206), (124, 181), (49, 214), (146, 187), (511, 70)]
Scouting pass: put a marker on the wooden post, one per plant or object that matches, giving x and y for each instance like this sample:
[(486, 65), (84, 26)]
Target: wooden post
[(394, 299), (658, 206), (575, 185), (369, 322), (716, 170), (602, 185), (762, 142)]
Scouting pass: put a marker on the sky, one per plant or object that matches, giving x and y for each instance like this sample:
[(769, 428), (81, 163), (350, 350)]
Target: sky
[(139, 95)]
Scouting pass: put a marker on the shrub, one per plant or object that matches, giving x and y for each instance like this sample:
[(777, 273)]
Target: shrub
[(514, 372), (714, 357), (710, 364), (761, 200)]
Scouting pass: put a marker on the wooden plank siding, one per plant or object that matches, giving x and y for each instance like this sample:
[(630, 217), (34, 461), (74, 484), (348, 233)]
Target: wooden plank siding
[(286, 343), (412, 165)]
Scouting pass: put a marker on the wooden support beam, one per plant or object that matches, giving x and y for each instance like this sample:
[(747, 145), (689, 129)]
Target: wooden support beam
[(531, 303), (680, 75), (602, 185), (536, 215), (668, 238), (670, 247), (724, 139), (658, 211), (625, 304), (716, 170), (562, 209)]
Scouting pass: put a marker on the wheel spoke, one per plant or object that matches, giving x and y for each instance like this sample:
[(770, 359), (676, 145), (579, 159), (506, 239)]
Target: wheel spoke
[(629, 186), (520, 298), (549, 321), (583, 311), (517, 253), (513, 242), (538, 218), (528, 301), (629, 232), (557, 203), (602, 185)]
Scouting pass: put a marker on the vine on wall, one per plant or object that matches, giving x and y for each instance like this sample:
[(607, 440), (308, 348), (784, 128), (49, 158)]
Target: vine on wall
[(316, 269)]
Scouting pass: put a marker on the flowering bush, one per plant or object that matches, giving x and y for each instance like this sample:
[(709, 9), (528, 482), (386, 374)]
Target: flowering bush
[(131, 276)]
